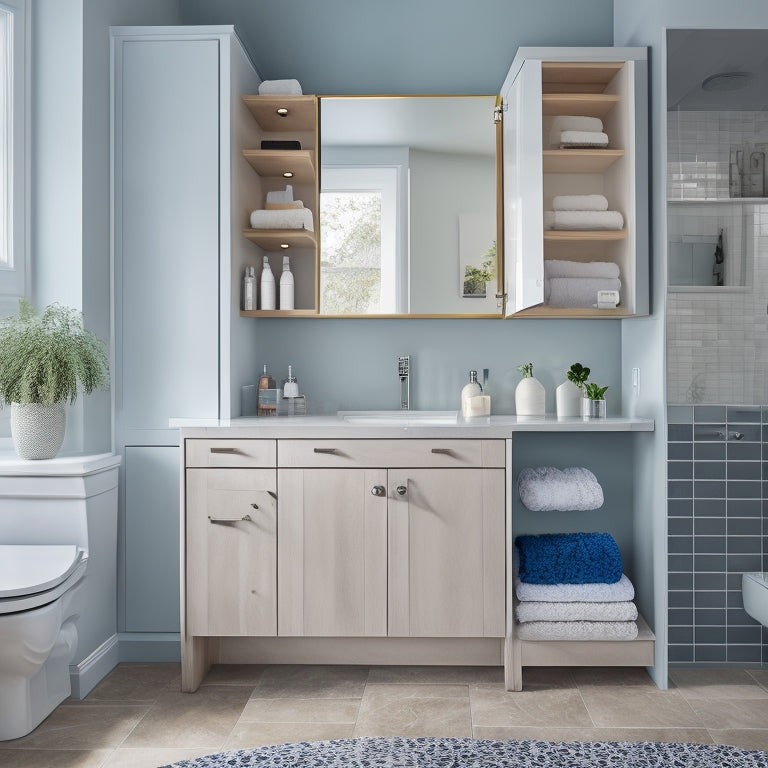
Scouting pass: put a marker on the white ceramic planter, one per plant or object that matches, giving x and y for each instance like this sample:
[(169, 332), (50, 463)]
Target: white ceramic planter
[(568, 399), (593, 409), (529, 397), (38, 430)]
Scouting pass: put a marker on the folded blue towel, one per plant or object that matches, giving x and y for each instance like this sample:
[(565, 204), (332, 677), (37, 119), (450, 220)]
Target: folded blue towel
[(569, 558)]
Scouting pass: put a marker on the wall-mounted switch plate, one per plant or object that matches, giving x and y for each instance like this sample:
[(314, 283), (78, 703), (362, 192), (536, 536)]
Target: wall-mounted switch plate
[(635, 381)]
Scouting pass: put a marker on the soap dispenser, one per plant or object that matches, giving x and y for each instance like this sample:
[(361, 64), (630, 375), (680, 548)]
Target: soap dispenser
[(470, 390), (267, 286), (286, 286), (291, 386)]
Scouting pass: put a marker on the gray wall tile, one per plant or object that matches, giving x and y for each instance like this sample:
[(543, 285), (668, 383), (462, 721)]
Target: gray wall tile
[(680, 653), (679, 432), (743, 654), (709, 451), (710, 635), (709, 653), (681, 470), (743, 414), (708, 470), (744, 470), (709, 413), (683, 451)]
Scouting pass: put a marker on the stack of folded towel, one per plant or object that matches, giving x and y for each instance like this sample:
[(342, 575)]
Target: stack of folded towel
[(576, 283), (582, 212), (574, 132), (546, 489), (570, 586), (282, 212)]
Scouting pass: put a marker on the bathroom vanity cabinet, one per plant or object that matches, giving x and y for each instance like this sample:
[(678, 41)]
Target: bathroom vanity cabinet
[(608, 83)]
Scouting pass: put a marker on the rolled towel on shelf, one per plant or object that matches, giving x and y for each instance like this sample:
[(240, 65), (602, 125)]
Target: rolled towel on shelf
[(546, 489), (609, 611), (577, 291), (577, 630), (583, 220), (621, 591), (565, 268), (568, 558), (583, 140), (301, 218), (580, 203), (281, 195), (280, 88)]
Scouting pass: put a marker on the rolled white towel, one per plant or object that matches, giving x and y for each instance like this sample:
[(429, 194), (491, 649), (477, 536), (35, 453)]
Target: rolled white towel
[(281, 195), (577, 630), (565, 268), (580, 203), (620, 591), (577, 291), (280, 87), (545, 489), (300, 218), (581, 139), (583, 220), (623, 611)]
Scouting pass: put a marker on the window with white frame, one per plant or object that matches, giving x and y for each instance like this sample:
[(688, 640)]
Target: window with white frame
[(13, 137)]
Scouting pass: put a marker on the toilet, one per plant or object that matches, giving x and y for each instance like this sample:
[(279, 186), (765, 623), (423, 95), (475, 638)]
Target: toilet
[(45, 509), (754, 591)]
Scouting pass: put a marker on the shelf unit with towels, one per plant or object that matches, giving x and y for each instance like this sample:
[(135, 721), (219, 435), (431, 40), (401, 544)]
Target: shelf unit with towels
[(287, 117)]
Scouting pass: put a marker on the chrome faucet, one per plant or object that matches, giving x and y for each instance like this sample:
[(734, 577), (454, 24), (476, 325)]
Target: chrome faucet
[(403, 367)]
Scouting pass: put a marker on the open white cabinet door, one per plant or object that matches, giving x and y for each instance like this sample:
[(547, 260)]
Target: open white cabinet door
[(523, 189)]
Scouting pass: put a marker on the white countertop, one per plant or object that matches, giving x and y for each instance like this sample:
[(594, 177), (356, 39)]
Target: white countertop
[(63, 465), (333, 425)]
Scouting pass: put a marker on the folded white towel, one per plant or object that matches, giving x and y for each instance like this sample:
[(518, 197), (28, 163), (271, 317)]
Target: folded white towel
[(623, 611), (281, 195), (300, 218), (576, 123), (292, 206), (545, 489), (620, 591), (577, 291), (583, 220), (576, 139), (565, 268), (280, 87), (577, 630), (580, 203)]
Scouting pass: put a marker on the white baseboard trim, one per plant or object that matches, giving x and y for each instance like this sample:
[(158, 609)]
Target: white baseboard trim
[(84, 677), (150, 646)]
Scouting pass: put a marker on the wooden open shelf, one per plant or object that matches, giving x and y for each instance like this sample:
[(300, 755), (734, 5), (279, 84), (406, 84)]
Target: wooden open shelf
[(579, 160), (584, 235), (590, 104), (276, 162), (302, 112), (581, 76), (273, 239), (582, 313), (278, 313)]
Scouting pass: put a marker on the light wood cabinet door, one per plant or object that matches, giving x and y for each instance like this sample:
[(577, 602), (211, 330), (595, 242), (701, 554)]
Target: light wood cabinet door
[(446, 552), (332, 552), (231, 552)]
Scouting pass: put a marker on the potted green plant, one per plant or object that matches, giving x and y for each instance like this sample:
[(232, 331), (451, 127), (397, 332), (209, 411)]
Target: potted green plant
[(593, 405), (46, 359), (570, 393)]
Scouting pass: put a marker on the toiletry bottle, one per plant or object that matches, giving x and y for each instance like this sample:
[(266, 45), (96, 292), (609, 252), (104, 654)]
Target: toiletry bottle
[(286, 286), (266, 381), (469, 390), (249, 289), (267, 286), (291, 386)]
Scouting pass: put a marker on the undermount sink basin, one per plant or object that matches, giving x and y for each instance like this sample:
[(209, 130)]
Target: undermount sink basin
[(399, 418)]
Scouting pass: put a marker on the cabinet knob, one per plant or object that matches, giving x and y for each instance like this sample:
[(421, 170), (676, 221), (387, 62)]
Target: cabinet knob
[(401, 490), (378, 490)]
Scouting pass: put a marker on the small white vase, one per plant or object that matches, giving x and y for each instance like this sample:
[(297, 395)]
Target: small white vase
[(38, 430), (568, 398), (593, 409), (529, 397)]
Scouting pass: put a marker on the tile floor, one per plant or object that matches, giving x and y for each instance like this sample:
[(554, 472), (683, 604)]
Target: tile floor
[(137, 717)]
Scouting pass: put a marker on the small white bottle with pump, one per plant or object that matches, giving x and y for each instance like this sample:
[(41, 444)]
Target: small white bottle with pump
[(286, 286), (267, 286), (470, 390), (249, 289)]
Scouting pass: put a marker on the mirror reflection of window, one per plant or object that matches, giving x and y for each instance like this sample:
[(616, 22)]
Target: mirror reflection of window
[(363, 264)]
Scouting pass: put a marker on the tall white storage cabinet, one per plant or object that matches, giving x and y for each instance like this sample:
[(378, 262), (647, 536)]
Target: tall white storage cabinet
[(179, 186), (606, 83)]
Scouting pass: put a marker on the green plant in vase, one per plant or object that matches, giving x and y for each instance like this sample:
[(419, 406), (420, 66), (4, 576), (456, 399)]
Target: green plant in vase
[(46, 360), (594, 402), (578, 374)]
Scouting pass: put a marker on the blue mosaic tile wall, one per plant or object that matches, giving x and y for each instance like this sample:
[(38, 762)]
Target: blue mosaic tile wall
[(717, 491)]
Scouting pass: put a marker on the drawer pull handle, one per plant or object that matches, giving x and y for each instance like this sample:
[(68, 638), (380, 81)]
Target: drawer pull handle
[(255, 505), (445, 451), (326, 450), (401, 490), (243, 519), (378, 490), (223, 450)]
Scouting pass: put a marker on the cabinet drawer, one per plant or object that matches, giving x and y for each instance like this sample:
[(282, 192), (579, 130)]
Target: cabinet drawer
[(391, 453), (231, 453)]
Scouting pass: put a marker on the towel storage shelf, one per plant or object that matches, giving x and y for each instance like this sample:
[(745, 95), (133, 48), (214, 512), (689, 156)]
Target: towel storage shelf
[(283, 117), (605, 83)]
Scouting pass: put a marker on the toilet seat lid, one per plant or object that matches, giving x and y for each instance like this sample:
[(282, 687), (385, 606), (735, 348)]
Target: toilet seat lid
[(29, 568)]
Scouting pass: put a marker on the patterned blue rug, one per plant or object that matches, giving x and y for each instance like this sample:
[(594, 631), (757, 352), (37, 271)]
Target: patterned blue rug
[(473, 753)]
